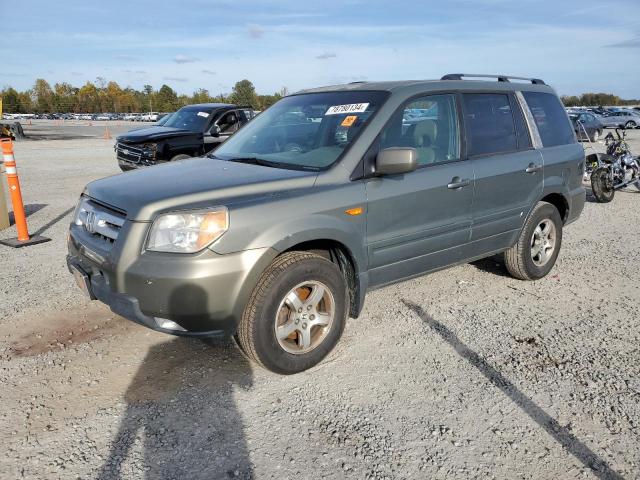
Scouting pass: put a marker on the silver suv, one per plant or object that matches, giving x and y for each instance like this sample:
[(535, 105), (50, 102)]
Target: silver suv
[(277, 235)]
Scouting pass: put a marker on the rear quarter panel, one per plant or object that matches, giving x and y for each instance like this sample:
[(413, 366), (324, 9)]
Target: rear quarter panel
[(563, 170)]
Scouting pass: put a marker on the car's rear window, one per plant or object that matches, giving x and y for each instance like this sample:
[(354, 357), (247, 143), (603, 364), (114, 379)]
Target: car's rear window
[(550, 118)]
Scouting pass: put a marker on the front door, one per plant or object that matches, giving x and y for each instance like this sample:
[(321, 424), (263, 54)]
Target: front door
[(228, 124), (417, 221)]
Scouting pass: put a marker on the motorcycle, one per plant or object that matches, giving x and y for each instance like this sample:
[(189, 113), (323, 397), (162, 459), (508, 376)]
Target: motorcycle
[(616, 169)]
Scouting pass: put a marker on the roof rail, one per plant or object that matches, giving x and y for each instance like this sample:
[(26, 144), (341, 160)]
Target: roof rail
[(501, 78)]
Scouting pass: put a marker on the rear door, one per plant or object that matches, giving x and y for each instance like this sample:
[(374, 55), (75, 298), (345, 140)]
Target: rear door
[(417, 221), (563, 156), (509, 172)]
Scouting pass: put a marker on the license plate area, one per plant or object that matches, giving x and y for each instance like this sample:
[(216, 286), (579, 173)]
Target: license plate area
[(82, 280)]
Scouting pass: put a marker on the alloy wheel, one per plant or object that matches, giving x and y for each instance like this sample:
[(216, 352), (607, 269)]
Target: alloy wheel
[(304, 317), (543, 242)]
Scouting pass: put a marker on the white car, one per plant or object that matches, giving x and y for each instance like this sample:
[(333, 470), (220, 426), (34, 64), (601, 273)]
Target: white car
[(149, 117)]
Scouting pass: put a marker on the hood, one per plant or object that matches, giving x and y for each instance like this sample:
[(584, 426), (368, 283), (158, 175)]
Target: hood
[(153, 133), (192, 183)]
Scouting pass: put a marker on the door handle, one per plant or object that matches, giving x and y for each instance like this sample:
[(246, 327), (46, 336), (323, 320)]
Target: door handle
[(533, 168), (457, 182)]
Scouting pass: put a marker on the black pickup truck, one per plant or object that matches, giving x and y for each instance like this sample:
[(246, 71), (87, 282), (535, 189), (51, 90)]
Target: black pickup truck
[(190, 132)]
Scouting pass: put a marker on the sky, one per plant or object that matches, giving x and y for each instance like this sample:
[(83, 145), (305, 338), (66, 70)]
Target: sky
[(574, 45)]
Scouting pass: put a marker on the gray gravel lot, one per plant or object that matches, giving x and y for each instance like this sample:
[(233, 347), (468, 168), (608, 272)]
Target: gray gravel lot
[(465, 373)]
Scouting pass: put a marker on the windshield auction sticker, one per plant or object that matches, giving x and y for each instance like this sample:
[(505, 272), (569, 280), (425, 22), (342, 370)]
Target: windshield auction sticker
[(349, 108), (203, 114), (349, 120)]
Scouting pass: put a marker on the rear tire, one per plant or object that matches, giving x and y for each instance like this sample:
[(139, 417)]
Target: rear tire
[(630, 124), (601, 185), (278, 329), (538, 246), (595, 136)]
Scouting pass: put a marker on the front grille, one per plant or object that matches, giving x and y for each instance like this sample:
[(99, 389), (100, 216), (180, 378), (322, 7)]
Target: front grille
[(131, 154), (100, 221)]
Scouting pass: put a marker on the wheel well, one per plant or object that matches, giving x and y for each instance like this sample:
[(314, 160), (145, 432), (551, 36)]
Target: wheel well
[(337, 253), (560, 203)]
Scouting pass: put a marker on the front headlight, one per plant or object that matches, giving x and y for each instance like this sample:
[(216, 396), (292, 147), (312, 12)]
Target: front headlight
[(187, 232), (149, 149), (80, 215)]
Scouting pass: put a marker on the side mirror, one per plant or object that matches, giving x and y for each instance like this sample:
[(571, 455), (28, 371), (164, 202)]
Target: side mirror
[(394, 161), (215, 131)]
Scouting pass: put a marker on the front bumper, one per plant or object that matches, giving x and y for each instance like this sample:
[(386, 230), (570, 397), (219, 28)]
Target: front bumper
[(203, 293)]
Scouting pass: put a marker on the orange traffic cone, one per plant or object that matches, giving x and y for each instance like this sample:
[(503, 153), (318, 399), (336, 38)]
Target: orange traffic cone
[(107, 135), (19, 215)]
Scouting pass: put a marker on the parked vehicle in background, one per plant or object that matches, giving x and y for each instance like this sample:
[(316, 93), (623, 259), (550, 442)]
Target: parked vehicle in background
[(277, 236), (190, 132), (587, 126), (619, 119), (149, 117)]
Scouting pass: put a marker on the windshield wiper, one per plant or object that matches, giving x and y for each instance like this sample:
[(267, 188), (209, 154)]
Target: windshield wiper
[(256, 161), (265, 163)]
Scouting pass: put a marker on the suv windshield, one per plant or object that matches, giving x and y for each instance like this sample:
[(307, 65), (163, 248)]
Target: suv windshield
[(189, 119), (308, 131)]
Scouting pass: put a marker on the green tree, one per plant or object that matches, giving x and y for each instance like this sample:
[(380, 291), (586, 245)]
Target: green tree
[(42, 95), (10, 100), (88, 98), (166, 99), (65, 97), (201, 96), (244, 93)]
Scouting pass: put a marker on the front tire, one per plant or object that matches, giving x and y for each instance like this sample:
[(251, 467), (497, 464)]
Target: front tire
[(630, 124), (601, 185), (182, 156), (538, 246), (296, 313), (595, 136)]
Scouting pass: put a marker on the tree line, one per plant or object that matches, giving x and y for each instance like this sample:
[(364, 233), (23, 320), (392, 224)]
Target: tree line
[(103, 96), (596, 99)]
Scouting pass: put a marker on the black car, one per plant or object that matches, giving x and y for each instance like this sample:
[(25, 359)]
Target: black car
[(586, 122), (190, 132)]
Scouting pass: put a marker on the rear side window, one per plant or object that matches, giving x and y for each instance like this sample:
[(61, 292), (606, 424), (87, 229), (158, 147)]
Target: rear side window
[(550, 118), (489, 122)]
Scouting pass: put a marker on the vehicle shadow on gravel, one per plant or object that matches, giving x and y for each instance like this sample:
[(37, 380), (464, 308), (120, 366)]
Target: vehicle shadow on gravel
[(560, 434), (491, 265), (181, 420)]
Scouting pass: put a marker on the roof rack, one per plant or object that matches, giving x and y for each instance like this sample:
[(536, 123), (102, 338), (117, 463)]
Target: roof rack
[(501, 78)]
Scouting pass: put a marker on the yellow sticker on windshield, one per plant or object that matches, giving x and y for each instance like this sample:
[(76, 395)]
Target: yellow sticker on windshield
[(349, 120)]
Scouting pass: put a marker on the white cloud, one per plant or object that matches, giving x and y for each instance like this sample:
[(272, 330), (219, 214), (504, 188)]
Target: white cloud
[(180, 58), (326, 56)]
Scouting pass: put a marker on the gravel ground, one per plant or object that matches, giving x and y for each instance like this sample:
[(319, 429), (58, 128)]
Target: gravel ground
[(465, 373)]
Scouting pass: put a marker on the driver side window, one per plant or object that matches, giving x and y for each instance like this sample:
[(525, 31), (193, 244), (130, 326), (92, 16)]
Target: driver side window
[(430, 125), (229, 123)]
